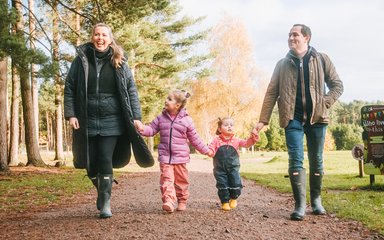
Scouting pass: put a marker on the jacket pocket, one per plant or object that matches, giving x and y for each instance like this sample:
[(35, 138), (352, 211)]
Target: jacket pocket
[(321, 113)]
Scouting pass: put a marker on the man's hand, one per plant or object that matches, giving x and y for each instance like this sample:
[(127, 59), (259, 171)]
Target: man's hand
[(258, 128)]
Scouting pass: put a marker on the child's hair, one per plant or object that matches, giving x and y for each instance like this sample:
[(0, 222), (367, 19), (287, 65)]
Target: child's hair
[(220, 123), (181, 97)]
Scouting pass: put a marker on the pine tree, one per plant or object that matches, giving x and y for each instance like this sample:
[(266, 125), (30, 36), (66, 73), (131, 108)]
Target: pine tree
[(4, 37), (22, 57), (3, 114), (155, 39), (275, 134), (59, 151)]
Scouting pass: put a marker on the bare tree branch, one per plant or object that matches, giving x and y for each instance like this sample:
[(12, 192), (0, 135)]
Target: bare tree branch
[(89, 17), (63, 21), (37, 20), (147, 65), (36, 39), (98, 10)]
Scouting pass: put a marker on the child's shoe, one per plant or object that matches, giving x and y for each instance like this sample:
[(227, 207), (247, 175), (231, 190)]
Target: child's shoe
[(181, 206), (225, 207), (168, 207), (232, 203)]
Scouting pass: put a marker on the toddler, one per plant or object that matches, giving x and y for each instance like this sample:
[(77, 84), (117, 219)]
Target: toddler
[(224, 149)]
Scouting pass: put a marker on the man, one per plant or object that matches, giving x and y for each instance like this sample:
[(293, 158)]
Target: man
[(298, 85)]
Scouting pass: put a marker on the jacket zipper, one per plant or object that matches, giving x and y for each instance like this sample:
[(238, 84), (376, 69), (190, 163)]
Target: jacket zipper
[(303, 92), (170, 141), (98, 97), (170, 138)]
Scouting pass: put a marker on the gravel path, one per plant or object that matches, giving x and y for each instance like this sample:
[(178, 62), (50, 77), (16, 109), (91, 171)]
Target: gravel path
[(262, 214)]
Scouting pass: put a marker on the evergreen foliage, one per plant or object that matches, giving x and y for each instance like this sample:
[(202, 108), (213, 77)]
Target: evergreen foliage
[(275, 135), (346, 135), (263, 141)]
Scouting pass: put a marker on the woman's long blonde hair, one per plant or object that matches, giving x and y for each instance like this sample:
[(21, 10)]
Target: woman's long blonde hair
[(117, 51)]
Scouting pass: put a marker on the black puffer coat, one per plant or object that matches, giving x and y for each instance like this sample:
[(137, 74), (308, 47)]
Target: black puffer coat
[(75, 105)]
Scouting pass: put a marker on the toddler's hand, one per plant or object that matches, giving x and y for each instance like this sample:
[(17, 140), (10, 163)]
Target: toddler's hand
[(138, 125), (210, 153), (255, 137)]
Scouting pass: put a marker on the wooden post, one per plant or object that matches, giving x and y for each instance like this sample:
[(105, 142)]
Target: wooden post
[(361, 173), (371, 180)]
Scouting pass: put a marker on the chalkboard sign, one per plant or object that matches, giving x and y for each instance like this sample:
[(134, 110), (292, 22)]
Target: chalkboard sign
[(372, 120)]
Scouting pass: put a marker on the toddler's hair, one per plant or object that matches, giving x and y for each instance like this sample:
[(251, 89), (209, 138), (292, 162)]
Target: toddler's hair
[(220, 123), (181, 97)]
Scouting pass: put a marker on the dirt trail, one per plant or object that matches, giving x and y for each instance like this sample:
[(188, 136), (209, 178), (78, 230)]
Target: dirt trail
[(262, 214)]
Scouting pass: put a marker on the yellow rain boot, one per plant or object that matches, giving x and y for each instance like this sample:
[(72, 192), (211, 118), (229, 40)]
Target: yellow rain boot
[(232, 203), (225, 207)]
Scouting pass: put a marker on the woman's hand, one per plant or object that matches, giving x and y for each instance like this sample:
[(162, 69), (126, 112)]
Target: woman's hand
[(74, 123), (138, 125)]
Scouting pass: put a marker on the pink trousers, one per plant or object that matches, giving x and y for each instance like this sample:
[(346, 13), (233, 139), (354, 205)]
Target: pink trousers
[(174, 183)]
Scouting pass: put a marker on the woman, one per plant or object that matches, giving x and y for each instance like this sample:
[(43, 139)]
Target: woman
[(101, 104)]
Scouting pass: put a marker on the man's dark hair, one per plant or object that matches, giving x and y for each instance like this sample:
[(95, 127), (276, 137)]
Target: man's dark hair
[(305, 30)]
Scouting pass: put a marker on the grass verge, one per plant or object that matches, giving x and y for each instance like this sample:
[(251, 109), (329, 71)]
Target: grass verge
[(30, 188), (344, 193)]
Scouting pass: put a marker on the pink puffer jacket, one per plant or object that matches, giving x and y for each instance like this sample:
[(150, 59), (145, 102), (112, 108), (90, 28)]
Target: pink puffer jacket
[(174, 136)]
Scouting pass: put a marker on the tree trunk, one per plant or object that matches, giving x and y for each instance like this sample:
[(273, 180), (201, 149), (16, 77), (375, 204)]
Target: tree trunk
[(15, 128), (48, 130), (4, 31), (52, 121), (65, 131), (78, 40), (21, 127), (59, 155), (32, 33), (59, 152), (3, 116), (151, 144), (31, 144)]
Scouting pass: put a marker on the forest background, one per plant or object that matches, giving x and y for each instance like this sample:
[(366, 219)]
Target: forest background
[(165, 51)]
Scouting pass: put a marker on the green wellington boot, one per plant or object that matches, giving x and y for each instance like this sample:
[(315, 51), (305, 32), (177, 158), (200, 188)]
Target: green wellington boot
[(315, 182), (95, 183), (298, 180), (104, 194)]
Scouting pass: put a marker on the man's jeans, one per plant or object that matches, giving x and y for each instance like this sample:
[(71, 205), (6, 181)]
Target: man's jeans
[(315, 134)]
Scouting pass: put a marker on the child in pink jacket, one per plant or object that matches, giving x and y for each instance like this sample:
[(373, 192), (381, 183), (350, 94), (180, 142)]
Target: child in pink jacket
[(226, 164), (176, 131)]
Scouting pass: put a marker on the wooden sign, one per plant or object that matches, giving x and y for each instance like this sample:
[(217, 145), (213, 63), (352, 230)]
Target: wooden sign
[(372, 120)]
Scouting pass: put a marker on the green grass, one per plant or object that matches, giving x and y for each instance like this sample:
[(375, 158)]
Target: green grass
[(344, 192), (24, 190), (37, 187)]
